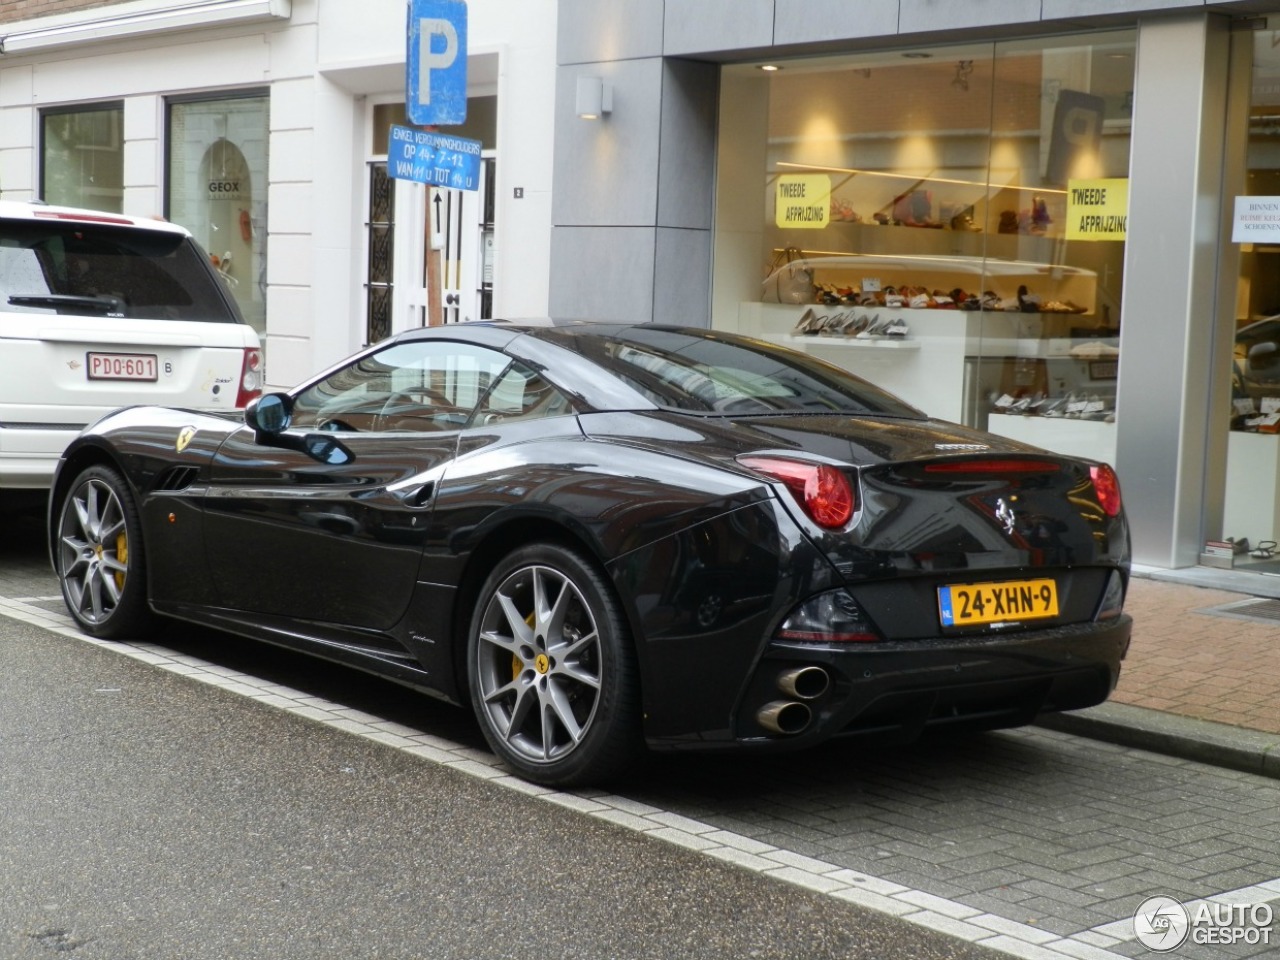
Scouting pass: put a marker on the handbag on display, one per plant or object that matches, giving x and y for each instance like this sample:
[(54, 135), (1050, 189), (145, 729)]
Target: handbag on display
[(790, 278)]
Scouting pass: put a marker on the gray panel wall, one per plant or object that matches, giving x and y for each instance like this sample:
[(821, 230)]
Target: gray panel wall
[(594, 30), (632, 194), (1164, 397)]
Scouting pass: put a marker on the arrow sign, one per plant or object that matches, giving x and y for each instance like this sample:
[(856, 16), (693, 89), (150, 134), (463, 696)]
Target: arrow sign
[(436, 62)]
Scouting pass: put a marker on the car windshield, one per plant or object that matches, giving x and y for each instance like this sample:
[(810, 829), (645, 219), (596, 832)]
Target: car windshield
[(709, 372), (108, 271)]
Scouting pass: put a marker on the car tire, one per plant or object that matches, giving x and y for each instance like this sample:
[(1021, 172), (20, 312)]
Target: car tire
[(100, 558), (551, 669)]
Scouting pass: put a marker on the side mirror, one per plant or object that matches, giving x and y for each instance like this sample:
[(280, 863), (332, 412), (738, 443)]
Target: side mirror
[(269, 414)]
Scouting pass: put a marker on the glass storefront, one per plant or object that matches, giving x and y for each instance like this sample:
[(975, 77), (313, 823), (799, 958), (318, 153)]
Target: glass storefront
[(217, 188), (1251, 508), (947, 222), (82, 156)]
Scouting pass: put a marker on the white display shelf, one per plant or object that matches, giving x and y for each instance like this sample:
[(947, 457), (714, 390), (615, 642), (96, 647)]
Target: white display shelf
[(803, 341), (1048, 281), (1252, 505), (1090, 439)]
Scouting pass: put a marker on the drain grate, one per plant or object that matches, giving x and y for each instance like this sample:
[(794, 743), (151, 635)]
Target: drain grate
[(1255, 608)]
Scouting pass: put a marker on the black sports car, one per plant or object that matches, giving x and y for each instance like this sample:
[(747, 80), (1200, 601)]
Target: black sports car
[(605, 536)]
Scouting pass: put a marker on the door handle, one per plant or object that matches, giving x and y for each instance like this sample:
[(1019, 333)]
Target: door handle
[(418, 495), (452, 299)]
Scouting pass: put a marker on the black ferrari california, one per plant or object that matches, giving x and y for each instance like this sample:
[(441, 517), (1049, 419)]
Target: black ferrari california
[(611, 537)]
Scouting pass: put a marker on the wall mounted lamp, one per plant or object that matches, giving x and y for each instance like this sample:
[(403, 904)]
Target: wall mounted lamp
[(594, 99)]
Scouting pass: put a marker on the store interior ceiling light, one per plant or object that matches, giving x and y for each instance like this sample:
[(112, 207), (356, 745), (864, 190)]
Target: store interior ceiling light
[(594, 98), (135, 18)]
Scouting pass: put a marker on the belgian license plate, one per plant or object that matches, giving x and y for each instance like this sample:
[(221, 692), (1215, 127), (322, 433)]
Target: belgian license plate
[(121, 366), (962, 605)]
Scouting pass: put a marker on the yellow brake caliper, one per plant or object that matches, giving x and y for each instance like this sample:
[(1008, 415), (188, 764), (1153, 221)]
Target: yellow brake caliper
[(516, 663), (122, 554)]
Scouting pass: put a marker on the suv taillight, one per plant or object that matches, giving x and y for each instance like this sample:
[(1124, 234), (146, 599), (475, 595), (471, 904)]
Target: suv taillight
[(250, 377)]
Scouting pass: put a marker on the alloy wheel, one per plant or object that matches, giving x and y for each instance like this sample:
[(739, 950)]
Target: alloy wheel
[(539, 664), (93, 550)]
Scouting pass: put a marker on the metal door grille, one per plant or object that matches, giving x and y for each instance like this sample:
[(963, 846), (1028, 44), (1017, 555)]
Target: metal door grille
[(381, 236)]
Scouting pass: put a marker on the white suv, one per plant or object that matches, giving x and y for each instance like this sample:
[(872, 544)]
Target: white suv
[(99, 311)]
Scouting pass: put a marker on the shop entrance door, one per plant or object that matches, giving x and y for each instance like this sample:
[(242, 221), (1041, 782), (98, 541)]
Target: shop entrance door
[(429, 251), (463, 225), (442, 241), (1250, 516)]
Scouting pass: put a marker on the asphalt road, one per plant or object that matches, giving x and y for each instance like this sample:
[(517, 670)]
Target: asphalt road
[(144, 815)]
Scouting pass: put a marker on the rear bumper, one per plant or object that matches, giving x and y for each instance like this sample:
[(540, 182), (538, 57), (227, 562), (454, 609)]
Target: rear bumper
[(896, 691), (29, 453)]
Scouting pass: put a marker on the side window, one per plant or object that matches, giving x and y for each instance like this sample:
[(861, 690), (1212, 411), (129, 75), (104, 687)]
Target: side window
[(520, 394), (425, 386)]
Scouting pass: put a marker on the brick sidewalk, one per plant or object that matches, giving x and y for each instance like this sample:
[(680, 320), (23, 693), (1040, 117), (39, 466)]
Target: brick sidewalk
[(1203, 665)]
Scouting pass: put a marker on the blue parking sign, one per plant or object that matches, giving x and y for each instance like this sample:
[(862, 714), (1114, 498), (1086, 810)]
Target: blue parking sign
[(436, 62)]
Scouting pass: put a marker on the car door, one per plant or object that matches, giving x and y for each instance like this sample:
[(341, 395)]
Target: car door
[(340, 543)]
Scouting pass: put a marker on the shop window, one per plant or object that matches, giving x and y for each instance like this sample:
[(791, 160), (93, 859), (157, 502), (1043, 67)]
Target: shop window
[(948, 223), (82, 157), (217, 188), (1251, 501)]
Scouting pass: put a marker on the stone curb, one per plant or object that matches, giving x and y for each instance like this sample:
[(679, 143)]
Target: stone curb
[(1217, 744)]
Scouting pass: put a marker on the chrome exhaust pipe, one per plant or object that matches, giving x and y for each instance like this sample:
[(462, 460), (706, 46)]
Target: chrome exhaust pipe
[(806, 683), (784, 716)]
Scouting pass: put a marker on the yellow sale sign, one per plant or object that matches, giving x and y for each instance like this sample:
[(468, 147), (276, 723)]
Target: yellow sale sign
[(803, 200), (1098, 209)]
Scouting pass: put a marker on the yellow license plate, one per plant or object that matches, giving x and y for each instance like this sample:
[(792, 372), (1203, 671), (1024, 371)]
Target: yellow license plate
[(962, 605)]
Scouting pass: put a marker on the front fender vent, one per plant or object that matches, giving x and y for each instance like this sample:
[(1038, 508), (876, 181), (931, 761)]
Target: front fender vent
[(177, 478)]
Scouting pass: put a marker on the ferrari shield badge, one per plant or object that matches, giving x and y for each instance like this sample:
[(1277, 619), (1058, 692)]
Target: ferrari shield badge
[(184, 438), (1004, 513)]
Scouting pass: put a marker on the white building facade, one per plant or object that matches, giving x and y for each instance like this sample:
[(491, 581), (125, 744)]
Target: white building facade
[(261, 125)]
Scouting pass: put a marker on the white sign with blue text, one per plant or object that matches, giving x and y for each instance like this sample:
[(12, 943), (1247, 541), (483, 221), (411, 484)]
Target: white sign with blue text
[(436, 159), (436, 62)]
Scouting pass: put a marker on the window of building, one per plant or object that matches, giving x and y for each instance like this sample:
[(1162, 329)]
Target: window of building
[(82, 156), (217, 188), (948, 223), (1251, 505)]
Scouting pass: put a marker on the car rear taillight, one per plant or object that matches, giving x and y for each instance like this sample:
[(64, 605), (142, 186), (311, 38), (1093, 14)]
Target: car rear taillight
[(250, 377), (821, 489), (1107, 486)]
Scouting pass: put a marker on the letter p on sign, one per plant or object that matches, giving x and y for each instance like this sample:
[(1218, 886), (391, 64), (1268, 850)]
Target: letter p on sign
[(428, 59), (436, 58)]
